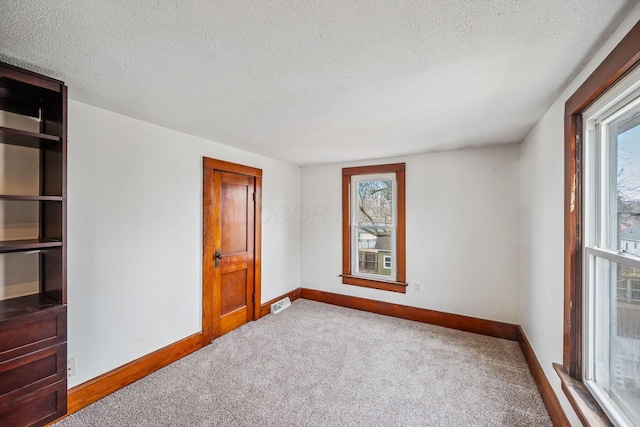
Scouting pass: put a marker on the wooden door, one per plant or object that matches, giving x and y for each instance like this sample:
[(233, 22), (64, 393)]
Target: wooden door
[(233, 240), (231, 254)]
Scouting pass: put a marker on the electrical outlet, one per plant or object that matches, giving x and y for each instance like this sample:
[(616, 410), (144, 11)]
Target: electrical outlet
[(417, 287), (71, 367)]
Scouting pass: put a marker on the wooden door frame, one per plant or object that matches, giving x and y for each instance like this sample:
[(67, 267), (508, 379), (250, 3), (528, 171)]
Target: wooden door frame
[(208, 167)]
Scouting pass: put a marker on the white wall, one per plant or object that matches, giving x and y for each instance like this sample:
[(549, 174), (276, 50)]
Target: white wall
[(542, 229), (462, 232), (135, 239)]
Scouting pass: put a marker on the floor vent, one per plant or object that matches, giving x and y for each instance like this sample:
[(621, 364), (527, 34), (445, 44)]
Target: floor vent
[(277, 307)]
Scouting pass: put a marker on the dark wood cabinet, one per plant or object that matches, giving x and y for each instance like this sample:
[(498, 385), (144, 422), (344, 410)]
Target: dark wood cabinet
[(33, 312)]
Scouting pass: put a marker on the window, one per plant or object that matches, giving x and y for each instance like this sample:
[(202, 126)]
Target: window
[(612, 273), (387, 262), (373, 227), (599, 372)]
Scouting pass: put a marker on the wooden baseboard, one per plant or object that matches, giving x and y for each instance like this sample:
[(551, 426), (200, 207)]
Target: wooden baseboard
[(266, 307), (86, 393), (455, 321), (549, 397)]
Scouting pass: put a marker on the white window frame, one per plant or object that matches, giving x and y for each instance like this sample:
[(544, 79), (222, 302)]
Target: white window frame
[(598, 156), (355, 179)]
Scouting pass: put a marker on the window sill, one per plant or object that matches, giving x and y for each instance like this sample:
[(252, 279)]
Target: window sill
[(581, 400), (400, 287)]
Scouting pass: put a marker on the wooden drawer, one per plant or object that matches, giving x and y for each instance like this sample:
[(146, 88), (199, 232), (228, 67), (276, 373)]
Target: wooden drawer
[(32, 371), (31, 332), (36, 408)]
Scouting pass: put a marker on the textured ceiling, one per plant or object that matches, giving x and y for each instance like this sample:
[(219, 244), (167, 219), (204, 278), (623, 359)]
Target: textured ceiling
[(316, 81)]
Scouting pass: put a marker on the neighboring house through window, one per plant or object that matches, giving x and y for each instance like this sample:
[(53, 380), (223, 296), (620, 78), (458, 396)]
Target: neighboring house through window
[(373, 221)]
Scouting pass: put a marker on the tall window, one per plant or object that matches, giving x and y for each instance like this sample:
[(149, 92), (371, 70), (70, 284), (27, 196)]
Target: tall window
[(373, 221), (601, 350), (612, 267)]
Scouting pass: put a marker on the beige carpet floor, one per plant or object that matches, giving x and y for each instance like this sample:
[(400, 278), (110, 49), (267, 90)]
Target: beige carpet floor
[(320, 365)]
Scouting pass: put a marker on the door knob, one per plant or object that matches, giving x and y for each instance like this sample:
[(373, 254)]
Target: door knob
[(219, 256)]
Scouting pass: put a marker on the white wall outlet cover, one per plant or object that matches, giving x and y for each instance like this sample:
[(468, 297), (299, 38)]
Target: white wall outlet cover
[(71, 367)]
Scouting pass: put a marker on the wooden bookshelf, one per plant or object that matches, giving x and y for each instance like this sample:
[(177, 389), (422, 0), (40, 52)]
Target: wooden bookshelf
[(33, 347)]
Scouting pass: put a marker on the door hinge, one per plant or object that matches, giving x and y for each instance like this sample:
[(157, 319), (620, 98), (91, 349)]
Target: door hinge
[(254, 196), (253, 298)]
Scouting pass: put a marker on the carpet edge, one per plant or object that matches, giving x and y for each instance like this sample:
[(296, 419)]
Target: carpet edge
[(460, 322), (96, 388), (549, 397)]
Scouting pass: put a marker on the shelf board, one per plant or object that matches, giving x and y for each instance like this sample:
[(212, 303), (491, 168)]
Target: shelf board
[(27, 245), (31, 198), (25, 138), (28, 304)]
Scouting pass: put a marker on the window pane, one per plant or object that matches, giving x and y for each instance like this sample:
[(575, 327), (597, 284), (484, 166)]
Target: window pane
[(375, 202), (626, 131), (616, 345), (374, 244), (387, 262)]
